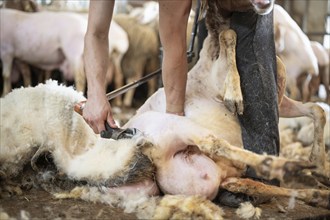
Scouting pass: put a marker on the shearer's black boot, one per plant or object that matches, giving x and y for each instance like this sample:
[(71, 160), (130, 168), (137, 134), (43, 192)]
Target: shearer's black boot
[(233, 200)]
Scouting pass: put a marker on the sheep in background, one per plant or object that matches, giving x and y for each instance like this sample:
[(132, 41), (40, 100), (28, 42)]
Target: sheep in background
[(47, 40), (118, 46), (312, 84), (146, 14), (22, 5), (294, 49), (141, 57), (19, 66), (304, 128)]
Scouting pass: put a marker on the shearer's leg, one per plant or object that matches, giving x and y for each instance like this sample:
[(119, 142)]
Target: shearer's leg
[(256, 64), (259, 122), (255, 40)]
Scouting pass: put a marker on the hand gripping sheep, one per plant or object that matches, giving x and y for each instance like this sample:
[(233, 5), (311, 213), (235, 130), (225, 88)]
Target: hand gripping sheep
[(109, 132)]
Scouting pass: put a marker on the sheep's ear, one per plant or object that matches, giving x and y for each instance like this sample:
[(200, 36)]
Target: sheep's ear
[(140, 140)]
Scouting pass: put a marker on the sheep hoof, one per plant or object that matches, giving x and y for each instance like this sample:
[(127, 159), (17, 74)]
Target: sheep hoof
[(295, 169), (321, 178)]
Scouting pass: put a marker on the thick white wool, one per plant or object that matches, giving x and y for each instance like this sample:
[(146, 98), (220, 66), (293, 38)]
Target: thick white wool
[(139, 203), (247, 211), (292, 200)]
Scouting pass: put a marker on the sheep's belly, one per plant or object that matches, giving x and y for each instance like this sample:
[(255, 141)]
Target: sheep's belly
[(190, 173)]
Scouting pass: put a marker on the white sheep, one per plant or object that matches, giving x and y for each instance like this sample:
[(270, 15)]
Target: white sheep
[(51, 40), (63, 133), (48, 40), (294, 49)]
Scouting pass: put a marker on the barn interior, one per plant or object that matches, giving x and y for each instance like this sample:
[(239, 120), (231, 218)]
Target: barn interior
[(138, 21)]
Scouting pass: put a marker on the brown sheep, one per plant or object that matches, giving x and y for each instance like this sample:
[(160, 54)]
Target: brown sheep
[(313, 83), (142, 55)]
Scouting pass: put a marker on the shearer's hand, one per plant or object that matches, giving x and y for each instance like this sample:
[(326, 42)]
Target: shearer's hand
[(97, 111)]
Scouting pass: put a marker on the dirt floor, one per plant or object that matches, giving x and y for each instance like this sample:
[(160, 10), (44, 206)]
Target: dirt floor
[(38, 204)]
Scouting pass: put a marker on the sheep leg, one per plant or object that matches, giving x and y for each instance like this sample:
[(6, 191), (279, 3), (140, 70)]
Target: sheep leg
[(118, 75), (152, 86), (315, 197), (291, 108), (40, 76), (79, 77), (26, 73), (7, 64), (151, 66), (48, 75), (294, 91), (130, 93), (306, 91), (266, 166), (325, 80), (281, 79), (232, 88)]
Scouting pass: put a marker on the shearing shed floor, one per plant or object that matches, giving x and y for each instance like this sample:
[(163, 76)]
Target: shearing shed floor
[(38, 204)]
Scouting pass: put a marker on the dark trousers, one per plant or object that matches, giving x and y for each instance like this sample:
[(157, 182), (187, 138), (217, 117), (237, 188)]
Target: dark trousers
[(256, 63)]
